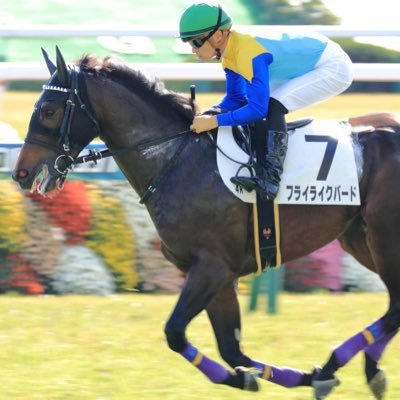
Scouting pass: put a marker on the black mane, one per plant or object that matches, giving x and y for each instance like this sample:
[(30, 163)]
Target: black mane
[(141, 84)]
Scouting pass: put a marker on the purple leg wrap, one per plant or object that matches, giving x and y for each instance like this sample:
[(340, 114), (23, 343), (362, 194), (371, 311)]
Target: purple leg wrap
[(211, 369), (347, 350), (376, 349), (286, 377)]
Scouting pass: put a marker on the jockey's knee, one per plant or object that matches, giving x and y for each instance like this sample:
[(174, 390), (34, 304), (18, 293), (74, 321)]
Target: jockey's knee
[(175, 337)]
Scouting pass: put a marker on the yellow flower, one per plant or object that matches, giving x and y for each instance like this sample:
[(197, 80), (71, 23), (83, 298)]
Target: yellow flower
[(112, 238), (13, 217)]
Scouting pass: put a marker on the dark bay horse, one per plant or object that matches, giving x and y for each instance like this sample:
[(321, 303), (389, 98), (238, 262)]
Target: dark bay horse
[(204, 229)]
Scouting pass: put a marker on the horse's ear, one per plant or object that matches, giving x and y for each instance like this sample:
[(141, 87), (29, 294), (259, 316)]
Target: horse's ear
[(62, 69), (49, 62)]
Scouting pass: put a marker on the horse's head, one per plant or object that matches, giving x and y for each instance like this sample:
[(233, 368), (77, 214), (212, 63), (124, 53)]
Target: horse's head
[(61, 125)]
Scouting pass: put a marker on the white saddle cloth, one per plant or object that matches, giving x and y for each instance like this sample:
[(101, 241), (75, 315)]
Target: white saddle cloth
[(319, 168)]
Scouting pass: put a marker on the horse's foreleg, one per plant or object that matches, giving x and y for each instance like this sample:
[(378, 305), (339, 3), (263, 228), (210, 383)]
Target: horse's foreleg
[(200, 287), (224, 314)]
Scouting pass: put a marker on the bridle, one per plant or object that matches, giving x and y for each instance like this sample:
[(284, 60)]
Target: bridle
[(59, 166)]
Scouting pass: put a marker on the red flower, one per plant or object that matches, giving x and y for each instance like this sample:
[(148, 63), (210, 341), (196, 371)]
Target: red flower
[(22, 276), (69, 209)]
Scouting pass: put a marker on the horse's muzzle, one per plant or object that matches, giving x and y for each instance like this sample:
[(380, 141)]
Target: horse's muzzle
[(22, 177), (38, 180), (19, 174)]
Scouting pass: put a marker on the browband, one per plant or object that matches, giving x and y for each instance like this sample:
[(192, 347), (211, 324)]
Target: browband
[(56, 88)]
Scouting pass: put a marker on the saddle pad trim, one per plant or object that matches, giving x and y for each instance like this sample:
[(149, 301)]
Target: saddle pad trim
[(257, 241), (278, 236)]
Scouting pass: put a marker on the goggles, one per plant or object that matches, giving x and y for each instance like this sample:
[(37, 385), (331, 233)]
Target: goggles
[(199, 42)]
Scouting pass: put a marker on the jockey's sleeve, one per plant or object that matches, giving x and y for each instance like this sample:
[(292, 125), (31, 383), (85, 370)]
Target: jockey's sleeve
[(235, 92), (257, 95)]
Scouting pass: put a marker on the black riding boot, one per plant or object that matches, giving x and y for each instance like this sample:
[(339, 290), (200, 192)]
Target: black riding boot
[(273, 133)]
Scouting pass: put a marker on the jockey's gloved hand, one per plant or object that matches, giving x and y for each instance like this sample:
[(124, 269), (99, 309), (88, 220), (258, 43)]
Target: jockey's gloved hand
[(204, 123)]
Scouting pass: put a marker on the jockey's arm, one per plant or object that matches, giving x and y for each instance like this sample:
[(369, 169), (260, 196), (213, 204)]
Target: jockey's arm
[(235, 92), (257, 94)]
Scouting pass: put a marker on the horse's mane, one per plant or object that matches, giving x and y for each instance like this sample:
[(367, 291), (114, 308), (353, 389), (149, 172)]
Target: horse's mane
[(138, 82)]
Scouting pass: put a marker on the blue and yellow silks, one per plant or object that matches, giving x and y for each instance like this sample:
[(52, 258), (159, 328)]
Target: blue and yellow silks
[(251, 63)]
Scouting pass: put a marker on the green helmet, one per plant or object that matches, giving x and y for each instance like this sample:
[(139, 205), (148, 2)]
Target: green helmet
[(201, 18)]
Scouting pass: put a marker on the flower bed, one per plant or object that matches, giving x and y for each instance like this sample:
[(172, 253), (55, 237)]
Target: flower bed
[(77, 240)]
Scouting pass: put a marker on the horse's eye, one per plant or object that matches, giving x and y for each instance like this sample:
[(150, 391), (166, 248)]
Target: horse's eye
[(49, 113)]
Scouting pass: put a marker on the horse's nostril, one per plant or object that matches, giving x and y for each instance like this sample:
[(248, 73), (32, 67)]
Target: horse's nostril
[(20, 174)]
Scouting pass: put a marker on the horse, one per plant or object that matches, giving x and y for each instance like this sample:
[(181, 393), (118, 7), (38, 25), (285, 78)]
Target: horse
[(204, 229)]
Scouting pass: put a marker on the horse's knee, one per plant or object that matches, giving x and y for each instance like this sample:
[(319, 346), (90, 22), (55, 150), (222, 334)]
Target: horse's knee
[(175, 337)]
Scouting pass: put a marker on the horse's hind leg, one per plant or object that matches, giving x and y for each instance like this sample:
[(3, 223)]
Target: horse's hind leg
[(224, 314), (376, 377), (325, 381), (382, 219), (354, 241)]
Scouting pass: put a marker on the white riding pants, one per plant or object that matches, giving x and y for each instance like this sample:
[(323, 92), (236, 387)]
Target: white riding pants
[(332, 75)]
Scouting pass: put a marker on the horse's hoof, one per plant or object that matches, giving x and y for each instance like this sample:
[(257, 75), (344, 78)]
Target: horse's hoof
[(249, 379), (378, 384), (323, 388)]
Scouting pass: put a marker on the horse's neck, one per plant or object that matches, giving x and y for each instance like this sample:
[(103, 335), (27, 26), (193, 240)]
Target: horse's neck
[(142, 167), (129, 122)]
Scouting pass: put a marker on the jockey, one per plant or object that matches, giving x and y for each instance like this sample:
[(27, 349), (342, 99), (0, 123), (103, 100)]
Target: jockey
[(266, 77)]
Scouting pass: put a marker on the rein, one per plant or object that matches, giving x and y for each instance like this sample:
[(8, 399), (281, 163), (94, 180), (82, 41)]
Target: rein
[(95, 156), (152, 186)]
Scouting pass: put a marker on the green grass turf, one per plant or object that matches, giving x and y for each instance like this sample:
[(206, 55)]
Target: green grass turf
[(113, 348)]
